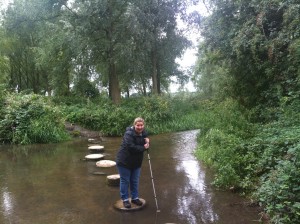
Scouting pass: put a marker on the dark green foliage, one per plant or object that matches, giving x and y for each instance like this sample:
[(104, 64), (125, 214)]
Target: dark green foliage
[(262, 159), (279, 165), (161, 114), (280, 189), (89, 47), (225, 127), (29, 119), (111, 120), (35, 119), (250, 51)]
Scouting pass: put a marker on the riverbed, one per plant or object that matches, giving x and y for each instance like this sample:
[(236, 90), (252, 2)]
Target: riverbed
[(54, 184)]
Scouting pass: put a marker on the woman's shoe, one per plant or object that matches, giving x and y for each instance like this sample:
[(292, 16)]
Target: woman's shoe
[(126, 204), (137, 202)]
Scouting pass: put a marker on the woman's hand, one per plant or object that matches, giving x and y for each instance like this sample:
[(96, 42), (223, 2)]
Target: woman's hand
[(147, 145)]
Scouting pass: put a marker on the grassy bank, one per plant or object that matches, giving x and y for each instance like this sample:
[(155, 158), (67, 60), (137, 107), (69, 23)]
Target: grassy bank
[(162, 114), (31, 118), (261, 160)]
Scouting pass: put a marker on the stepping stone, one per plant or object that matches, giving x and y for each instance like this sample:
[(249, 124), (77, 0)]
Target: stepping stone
[(96, 148), (94, 156), (92, 140), (119, 206), (99, 173), (105, 163), (113, 180)]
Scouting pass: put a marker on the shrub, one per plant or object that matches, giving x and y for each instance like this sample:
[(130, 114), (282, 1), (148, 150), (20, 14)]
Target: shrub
[(280, 189), (30, 119), (220, 143), (263, 159), (279, 166), (112, 120)]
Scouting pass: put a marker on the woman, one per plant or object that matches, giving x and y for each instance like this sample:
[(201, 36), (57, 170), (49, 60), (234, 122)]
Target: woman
[(129, 161)]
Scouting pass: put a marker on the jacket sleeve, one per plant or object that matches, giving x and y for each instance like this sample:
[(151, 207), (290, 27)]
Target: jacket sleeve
[(131, 145)]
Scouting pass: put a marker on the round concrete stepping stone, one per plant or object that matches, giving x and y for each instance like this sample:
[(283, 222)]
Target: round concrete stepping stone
[(93, 140), (113, 180), (119, 206), (94, 156), (105, 163), (96, 147)]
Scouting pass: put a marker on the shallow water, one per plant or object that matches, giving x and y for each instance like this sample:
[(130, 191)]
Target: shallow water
[(49, 184)]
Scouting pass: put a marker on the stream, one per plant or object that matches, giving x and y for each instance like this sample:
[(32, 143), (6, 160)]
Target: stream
[(54, 184)]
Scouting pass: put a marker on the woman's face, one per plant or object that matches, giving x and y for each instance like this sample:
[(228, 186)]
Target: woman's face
[(139, 127)]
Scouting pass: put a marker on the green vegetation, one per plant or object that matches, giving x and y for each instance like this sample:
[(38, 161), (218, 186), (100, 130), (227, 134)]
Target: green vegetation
[(220, 140), (249, 65), (164, 114), (87, 47), (29, 119), (261, 160)]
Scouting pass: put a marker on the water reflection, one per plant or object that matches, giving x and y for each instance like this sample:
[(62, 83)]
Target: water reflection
[(7, 202), (195, 191)]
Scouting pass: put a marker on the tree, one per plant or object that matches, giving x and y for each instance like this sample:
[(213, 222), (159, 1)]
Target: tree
[(4, 62), (162, 38), (31, 27), (254, 42), (57, 46), (102, 26)]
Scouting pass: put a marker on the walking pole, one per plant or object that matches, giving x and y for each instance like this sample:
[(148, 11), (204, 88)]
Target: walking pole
[(157, 210)]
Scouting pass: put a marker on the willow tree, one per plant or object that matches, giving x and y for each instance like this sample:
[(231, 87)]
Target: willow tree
[(132, 42), (35, 58), (5, 46), (125, 44), (23, 38), (102, 28), (162, 39)]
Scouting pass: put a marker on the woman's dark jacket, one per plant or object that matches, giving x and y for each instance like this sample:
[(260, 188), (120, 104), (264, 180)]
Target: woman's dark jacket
[(132, 149)]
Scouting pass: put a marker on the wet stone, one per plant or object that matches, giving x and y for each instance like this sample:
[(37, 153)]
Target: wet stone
[(119, 206), (94, 156), (95, 140), (105, 163), (96, 148), (113, 180)]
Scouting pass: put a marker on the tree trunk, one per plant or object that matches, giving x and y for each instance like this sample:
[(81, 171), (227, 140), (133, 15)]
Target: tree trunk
[(154, 72), (127, 92), (114, 86), (158, 78), (144, 89)]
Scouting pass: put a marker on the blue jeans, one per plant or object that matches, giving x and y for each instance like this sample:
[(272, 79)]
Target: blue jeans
[(129, 178)]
